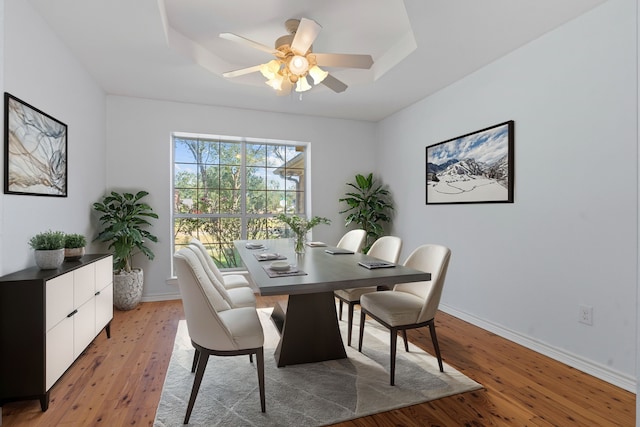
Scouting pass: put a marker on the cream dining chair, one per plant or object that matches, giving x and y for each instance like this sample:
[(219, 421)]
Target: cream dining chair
[(235, 297), (230, 280), (352, 240), (214, 327), (409, 305), (386, 248)]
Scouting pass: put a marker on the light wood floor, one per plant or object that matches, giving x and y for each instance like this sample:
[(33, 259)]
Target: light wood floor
[(118, 382)]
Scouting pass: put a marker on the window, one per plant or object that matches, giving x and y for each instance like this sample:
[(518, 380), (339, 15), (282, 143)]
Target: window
[(227, 189)]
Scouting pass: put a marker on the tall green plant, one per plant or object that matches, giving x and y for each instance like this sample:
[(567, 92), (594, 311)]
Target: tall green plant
[(124, 221), (369, 206)]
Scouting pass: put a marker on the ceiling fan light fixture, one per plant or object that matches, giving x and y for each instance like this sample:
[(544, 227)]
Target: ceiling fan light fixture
[(298, 65), (317, 74), (270, 69), (302, 85), (276, 82)]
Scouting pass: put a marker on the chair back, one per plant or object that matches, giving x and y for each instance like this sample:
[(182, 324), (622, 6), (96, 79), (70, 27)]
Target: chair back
[(202, 257), (202, 302), (207, 258), (353, 240), (432, 259), (386, 248)]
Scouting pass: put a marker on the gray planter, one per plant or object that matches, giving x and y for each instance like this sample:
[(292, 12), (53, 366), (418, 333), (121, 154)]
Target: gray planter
[(127, 289), (49, 260)]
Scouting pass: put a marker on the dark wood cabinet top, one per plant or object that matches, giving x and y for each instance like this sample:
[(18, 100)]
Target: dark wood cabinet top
[(35, 273)]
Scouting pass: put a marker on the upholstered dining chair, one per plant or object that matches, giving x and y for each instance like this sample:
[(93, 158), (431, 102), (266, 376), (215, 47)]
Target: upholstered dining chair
[(352, 240), (214, 327), (409, 305), (235, 297), (386, 248), (230, 280)]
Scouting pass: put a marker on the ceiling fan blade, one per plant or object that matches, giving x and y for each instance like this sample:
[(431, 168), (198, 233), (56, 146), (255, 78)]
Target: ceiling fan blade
[(285, 89), (344, 60), (242, 71), (334, 84), (307, 31), (242, 40)]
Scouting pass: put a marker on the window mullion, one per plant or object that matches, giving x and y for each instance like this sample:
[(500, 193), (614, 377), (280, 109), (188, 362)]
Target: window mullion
[(243, 190)]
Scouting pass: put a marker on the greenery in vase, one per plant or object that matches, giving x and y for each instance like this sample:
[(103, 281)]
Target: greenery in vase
[(74, 241), (369, 207), (125, 221), (47, 241), (301, 225)]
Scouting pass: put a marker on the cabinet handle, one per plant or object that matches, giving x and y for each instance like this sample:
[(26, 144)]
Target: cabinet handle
[(72, 313)]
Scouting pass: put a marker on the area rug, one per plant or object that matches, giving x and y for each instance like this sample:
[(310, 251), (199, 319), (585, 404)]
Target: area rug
[(313, 394)]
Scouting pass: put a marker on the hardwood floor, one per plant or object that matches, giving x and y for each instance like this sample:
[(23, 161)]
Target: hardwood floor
[(118, 382)]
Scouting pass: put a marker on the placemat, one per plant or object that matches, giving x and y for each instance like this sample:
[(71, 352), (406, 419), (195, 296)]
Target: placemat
[(269, 256), (285, 273)]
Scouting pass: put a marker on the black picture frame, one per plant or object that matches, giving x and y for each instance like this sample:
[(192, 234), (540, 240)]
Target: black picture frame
[(474, 168), (35, 151)]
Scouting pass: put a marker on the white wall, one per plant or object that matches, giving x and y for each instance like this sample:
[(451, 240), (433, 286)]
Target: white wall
[(40, 70), (570, 238), (139, 157)]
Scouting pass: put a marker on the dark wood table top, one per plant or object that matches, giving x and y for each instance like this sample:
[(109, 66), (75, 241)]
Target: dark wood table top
[(325, 272)]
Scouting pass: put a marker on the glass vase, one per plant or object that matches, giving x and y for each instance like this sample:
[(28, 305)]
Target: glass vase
[(299, 243)]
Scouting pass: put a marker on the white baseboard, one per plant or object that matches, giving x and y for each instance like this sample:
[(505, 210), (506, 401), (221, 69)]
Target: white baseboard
[(602, 372), (162, 297)]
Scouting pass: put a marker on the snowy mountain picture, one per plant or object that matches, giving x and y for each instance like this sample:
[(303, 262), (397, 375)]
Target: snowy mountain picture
[(473, 168)]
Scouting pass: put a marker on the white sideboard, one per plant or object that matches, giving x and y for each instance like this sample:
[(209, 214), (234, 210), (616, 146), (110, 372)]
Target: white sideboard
[(47, 319)]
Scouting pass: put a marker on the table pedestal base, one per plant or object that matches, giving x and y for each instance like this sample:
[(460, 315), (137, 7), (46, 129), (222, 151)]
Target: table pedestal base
[(309, 330)]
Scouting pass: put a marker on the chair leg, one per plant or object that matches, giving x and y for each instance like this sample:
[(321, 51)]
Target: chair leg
[(363, 315), (196, 356), (394, 341), (202, 364), (340, 309), (260, 359), (406, 343), (436, 347), (350, 325)]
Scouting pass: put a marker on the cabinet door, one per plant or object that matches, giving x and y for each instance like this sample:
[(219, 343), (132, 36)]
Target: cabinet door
[(84, 327), (59, 350), (104, 307), (84, 284), (59, 302), (104, 272)]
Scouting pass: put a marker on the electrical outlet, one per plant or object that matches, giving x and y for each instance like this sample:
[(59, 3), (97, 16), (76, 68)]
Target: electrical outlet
[(585, 315)]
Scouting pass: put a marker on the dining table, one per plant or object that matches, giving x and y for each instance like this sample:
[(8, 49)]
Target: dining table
[(307, 321)]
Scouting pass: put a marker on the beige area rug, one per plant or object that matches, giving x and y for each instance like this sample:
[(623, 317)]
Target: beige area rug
[(312, 394)]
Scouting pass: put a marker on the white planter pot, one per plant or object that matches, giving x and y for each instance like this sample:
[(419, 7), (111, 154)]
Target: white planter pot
[(127, 289), (49, 260)]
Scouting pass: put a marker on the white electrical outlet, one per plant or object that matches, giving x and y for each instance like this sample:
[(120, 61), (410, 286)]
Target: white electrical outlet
[(585, 315)]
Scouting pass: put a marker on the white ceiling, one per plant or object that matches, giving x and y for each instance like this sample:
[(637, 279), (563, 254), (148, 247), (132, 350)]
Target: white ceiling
[(170, 49)]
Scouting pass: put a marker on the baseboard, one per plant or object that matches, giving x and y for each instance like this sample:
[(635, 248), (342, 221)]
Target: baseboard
[(161, 297), (618, 379)]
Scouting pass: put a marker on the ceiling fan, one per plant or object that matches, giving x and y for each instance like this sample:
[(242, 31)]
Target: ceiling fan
[(294, 60)]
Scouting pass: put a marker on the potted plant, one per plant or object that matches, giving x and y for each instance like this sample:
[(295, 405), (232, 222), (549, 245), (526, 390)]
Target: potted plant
[(49, 249), (74, 246), (125, 221), (369, 207), (300, 226)]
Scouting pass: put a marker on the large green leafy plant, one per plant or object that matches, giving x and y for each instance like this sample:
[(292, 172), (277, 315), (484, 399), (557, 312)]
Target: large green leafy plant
[(124, 220), (369, 206)]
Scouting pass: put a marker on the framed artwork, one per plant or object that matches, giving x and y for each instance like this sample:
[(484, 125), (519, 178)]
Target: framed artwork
[(35, 151), (472, 168)]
